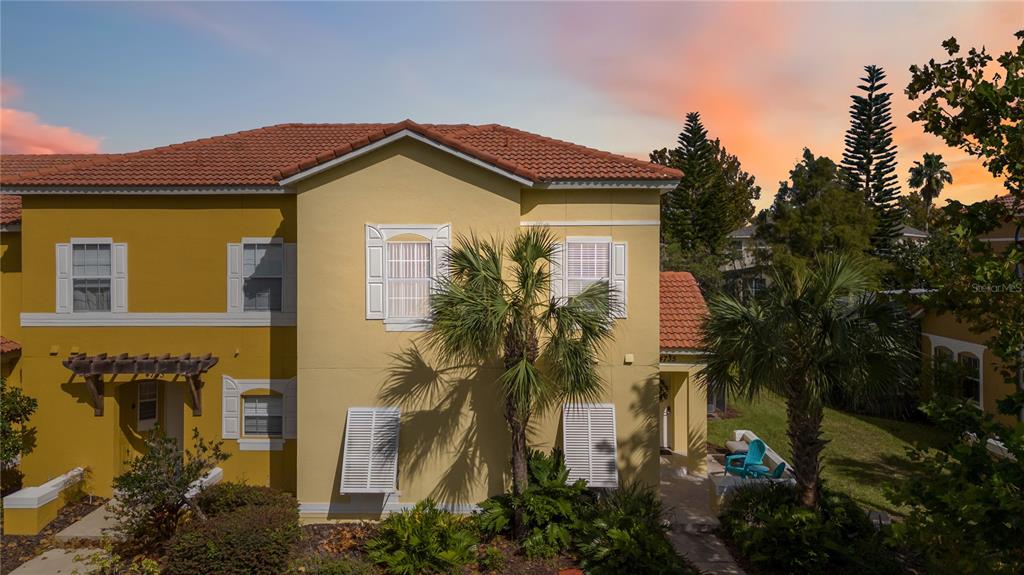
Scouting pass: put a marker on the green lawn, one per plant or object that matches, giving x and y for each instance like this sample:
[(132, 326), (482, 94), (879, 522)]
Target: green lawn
[(865, 454)]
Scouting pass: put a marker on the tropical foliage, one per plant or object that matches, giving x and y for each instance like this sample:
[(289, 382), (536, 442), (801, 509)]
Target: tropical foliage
[(869, 157), (548, 347), (153, 493), (929, 176), (424, 539), (966, 502), (814, 331)]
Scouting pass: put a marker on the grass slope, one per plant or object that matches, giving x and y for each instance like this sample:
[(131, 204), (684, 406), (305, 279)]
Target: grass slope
[(865, 455)]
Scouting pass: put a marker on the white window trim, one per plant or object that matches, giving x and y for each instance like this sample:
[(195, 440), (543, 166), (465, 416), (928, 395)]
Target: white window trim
[(617, 280), (236, 276), (64, 278), (439, 236), (232, 391), (958, 346), (146, 424)]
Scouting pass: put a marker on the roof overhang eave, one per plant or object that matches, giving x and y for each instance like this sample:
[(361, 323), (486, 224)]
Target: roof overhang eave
[(57, 190)]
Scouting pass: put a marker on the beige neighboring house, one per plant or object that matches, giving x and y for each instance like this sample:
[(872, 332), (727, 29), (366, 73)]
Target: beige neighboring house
[(270, 287), (943, 335)]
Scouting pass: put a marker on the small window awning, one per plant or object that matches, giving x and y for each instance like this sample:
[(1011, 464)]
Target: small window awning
[(94, 367)]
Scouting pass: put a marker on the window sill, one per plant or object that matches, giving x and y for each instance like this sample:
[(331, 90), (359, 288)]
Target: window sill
[(407, 324), (261, 444)]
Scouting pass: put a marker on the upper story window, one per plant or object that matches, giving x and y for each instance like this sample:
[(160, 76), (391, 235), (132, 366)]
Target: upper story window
[(408, 279), (402, 264), (583, 261), (971, 377), (261, 275), (92, 276)]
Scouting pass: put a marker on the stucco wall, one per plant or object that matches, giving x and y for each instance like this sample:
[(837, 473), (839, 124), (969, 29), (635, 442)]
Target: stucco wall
[(453, 441), (10, 299), (176, 263)]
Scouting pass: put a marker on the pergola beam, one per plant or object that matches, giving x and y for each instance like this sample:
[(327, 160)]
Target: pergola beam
[(94, 367)]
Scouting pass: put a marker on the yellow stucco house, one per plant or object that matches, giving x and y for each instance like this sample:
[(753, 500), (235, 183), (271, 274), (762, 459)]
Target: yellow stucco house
[(268, 288), (987, 379)]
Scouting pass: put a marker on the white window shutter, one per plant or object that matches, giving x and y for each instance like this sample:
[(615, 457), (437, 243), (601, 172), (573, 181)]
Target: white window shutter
[(64, 278), (374, 273), (557, 272), (589, 443), (290, 409), (370, 461), (618, 277), (441, 245), (236, 301), (119, 279), (231, 416), (290, 281)]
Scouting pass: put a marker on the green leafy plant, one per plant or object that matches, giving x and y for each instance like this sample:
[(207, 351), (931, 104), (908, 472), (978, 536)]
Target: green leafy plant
[(624, 531), (327, 565), (776, 535), (549, 507), (966, 502), (256, 540), (424, 539), (153, 493), (106, 561), (17, 438), (491, 559), (225, 497)]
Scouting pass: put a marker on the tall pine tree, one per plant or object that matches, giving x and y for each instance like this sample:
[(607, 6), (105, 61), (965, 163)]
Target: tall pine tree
[(869, 158), (712, 198)]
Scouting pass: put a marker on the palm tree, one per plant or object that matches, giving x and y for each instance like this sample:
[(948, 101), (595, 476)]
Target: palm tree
[(929, 176), (487, 311), (814, 331)]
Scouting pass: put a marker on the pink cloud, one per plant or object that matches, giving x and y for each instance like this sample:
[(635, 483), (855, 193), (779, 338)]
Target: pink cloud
[(770, 79), (23, 133)]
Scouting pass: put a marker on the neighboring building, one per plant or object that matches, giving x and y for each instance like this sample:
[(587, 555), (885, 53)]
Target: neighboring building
[(944, 336), (10, 285), (268, 288)]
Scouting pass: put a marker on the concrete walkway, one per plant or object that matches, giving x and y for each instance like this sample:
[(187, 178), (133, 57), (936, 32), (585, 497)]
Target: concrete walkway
[(92, 526), (687, 498), (56, 561)]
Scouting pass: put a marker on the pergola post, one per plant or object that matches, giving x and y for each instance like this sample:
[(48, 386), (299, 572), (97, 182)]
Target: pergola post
[(94, 383)]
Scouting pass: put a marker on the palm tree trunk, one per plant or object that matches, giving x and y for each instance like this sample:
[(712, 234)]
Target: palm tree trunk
[(804, 415), (520, 469)]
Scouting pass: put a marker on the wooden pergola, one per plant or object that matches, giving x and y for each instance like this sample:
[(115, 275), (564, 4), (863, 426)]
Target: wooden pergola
[(94, 367)]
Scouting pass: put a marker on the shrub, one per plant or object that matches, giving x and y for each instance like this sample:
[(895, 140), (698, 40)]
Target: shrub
[(151, 495), (777, 535), (549, 506), (424, 539), (625, 532), (256, 540), (491, 559), (327, 565), (225, 497)]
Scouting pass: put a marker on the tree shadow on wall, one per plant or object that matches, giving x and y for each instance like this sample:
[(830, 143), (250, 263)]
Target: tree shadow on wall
[(452, 420)]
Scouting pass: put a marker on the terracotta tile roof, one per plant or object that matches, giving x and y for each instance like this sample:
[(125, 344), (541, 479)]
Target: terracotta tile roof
[(10, 209), (682, 311), (8, 345), (12, 165), (1006, 200), (264, 156)]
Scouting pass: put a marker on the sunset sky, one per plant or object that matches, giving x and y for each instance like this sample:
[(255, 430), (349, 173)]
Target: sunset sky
[(769, 79)]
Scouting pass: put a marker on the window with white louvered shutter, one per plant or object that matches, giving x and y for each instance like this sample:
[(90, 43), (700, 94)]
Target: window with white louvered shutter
[(586, 263), (370, 461), (588, 440)]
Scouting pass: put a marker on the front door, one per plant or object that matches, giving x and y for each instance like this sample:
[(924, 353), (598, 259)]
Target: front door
[(173, 422)]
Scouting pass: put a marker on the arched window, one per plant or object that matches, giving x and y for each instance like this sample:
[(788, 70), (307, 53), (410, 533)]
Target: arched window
[(971, 379)]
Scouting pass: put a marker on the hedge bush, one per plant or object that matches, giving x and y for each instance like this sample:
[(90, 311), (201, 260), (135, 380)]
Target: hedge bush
[(225, 497), (777, 535), (424, 539), (255, 539), (624, 531)]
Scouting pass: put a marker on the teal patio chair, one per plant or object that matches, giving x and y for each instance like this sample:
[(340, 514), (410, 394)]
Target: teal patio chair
[(749, 464)]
